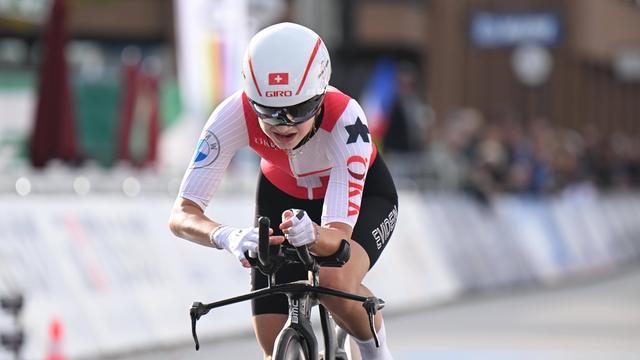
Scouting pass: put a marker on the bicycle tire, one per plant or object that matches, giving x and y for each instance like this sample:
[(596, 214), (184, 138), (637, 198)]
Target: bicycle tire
[(291, 345)]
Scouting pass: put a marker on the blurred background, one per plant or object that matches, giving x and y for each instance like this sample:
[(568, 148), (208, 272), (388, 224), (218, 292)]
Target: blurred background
[(512, 129)]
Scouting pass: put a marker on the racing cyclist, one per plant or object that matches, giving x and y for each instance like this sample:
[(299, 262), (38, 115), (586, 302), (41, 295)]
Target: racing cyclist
[(321, 178)]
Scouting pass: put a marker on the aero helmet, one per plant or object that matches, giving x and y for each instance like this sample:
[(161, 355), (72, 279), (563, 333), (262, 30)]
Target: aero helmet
[(285, 64)]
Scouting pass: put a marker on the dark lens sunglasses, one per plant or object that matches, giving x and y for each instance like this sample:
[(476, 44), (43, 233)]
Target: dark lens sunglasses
[(288, 115)]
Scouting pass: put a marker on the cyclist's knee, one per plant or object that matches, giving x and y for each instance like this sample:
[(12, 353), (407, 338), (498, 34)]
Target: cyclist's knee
[(343, 281), (339, 279)]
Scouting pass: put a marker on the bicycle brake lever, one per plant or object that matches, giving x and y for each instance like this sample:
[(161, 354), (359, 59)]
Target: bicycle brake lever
[(372, 305), (373, 329), (196, 311)]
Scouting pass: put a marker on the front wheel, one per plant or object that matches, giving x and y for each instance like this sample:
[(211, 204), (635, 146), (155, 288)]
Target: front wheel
[(290, 345)]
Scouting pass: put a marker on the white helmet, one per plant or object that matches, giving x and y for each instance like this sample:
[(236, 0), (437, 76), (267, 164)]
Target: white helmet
[(285, 64)]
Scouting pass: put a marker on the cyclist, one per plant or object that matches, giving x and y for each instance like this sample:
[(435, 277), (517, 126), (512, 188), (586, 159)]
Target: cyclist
[(321, 176)]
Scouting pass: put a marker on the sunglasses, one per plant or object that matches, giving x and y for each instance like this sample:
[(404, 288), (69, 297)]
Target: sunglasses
[(288, 115)]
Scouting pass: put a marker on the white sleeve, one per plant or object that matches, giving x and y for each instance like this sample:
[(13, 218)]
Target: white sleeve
[(350, 151), (224, 133)]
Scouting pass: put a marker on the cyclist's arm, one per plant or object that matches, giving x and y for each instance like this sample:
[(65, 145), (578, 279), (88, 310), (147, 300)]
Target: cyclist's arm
[(224, 133), (325, 239), (350, 149), (189, 222), (329, 237)]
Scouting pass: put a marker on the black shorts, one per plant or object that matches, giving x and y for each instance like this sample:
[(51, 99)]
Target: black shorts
[(376, 221)]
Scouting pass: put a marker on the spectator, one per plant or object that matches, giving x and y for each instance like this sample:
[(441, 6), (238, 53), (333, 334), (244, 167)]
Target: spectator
[(409, 119), (505, 156), (448, 158), (405, 140)]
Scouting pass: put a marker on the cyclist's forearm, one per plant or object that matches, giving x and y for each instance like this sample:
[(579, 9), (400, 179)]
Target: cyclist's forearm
[(329, 238), (191, 224)]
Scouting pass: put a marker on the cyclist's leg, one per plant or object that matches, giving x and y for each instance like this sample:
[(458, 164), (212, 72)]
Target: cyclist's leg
[(376, 222), (348, 314), (266, 328)]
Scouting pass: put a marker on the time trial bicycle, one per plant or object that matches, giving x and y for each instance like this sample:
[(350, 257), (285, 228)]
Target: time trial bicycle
[(297, 339)]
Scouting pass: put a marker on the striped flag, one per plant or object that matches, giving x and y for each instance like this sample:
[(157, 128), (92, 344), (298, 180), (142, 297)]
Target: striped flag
[(378, 97)]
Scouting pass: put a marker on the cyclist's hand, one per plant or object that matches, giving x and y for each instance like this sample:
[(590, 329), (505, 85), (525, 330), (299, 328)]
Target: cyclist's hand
[(237, 241), (299, 228)]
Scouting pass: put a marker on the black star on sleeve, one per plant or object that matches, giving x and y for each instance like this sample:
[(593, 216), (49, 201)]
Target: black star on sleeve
[(357, 130)]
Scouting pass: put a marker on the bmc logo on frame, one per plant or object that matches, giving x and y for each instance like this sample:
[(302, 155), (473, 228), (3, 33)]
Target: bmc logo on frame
[(278, 93)]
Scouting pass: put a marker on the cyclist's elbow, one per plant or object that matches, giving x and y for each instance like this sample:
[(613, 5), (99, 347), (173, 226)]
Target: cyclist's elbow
[(185, 217), (177, 219), (175, 225)]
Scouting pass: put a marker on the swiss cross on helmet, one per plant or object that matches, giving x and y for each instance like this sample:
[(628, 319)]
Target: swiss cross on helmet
[(285, 64)]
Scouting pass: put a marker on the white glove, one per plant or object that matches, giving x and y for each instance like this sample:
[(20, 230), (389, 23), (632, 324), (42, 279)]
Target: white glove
[(236, 240), (302, 231)]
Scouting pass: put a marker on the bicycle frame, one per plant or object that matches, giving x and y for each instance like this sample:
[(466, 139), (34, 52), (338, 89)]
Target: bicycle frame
[(300, 305)]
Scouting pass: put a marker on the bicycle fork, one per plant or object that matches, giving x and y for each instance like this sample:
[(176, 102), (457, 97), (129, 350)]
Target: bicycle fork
[(300, 306)]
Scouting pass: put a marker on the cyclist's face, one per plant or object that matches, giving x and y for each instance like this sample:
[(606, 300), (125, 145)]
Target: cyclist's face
[(287, 137)]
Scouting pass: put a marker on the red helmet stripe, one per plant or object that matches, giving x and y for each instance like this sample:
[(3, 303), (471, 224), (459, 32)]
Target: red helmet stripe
[(306, 71), (253, 76)]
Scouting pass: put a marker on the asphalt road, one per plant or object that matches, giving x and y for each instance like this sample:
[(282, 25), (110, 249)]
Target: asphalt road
[(594, 319)]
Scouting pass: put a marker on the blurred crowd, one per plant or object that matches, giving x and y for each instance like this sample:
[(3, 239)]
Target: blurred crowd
[(486, 155)]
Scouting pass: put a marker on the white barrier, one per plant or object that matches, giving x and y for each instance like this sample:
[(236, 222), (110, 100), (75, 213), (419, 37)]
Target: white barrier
[(111, 270), (108, 267)]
